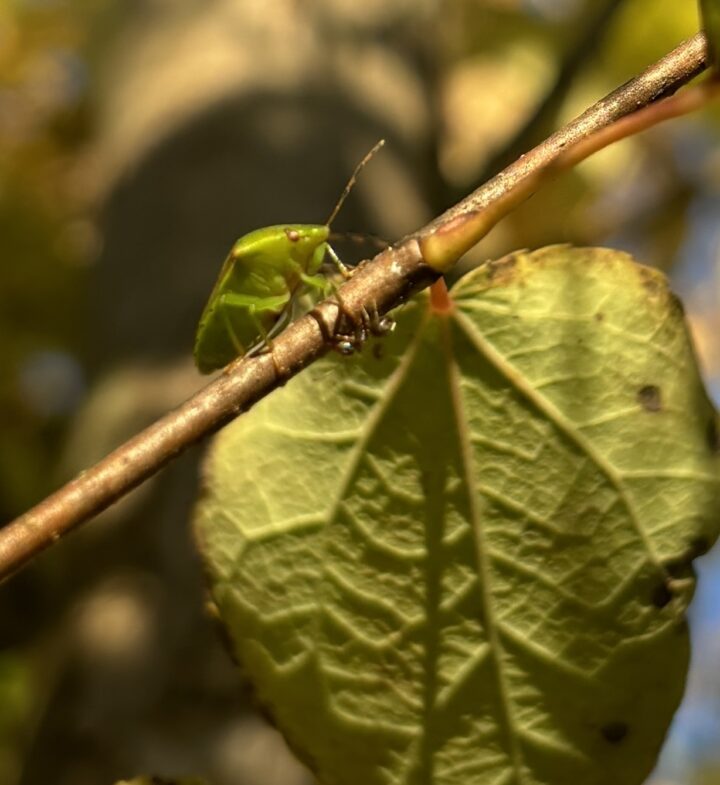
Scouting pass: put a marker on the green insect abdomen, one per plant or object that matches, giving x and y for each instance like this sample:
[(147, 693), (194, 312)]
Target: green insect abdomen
[(225, 336), (238, 316)]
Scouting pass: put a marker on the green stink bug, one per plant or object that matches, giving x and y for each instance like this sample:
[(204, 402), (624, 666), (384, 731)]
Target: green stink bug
[(261, 280)]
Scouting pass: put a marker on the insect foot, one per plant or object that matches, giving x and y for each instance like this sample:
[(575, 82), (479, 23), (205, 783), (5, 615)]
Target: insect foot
[(345, 347), (350, 342), (368, 323), (376, 324)]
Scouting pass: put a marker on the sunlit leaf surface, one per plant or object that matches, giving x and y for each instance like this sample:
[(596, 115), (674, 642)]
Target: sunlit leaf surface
[(465, 556)]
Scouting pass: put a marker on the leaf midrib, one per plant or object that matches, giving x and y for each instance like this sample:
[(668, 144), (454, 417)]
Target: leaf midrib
[(481, 555)]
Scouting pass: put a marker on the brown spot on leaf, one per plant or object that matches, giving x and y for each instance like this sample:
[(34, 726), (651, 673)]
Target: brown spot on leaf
[(650, 279), (662, 595), (649, 398), (614, 732), (698, 546), (599, 316), (711, 435), (680, 567), (501, 269)]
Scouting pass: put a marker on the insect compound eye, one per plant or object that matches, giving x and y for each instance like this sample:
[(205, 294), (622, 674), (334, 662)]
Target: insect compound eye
[(293, 235)]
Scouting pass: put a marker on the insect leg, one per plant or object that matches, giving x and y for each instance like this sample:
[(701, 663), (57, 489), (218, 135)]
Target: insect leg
[(343, 342), (252, 309), (281, 322), (342, 269), (376, 324), (369, 323), (239, 348), (324, 285)]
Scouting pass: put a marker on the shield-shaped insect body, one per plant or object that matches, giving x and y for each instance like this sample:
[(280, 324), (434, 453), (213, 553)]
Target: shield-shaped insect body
[(259, 283)]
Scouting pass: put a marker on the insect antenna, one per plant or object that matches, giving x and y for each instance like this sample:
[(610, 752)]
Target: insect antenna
[(361, 239), (351, 181)]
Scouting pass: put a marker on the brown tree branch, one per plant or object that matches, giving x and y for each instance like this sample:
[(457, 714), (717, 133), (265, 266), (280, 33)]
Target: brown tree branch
[(387, 281), (658, 81)]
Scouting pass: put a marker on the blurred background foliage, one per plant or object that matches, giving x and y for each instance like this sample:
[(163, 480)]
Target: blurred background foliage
[(138, 139)]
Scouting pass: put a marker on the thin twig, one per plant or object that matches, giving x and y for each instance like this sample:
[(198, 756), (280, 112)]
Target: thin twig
[(457, 235), (660, 80), (392, 277)]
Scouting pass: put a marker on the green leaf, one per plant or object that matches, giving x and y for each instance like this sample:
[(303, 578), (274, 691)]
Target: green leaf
[(710, 15), (465, 556)]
